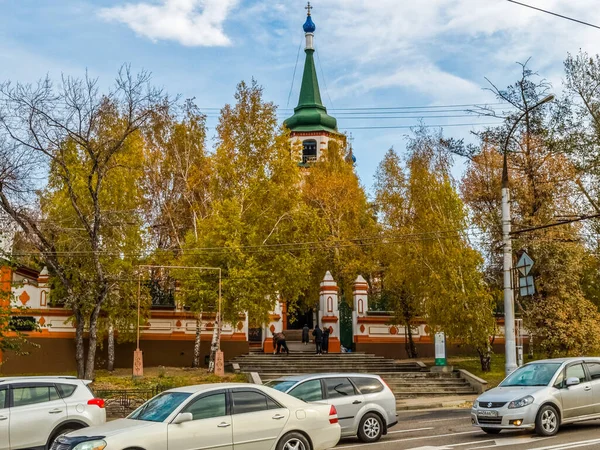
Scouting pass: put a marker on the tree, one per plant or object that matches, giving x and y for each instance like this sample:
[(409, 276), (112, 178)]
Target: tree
[(345, 225), (397, 253), (256, 215), (544, 186), (81, 139)]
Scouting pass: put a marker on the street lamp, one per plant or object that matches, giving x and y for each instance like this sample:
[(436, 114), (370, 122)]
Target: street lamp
[(509, 303)]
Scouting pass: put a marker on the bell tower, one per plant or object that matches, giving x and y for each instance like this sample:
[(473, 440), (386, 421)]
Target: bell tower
[(311, 125)]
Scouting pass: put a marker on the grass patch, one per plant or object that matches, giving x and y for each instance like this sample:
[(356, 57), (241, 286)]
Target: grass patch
[(473, 365), (166, 377)]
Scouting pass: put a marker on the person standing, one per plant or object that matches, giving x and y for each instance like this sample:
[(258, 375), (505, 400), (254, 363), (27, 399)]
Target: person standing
[(305, 331), (325, 345), (318, 334)]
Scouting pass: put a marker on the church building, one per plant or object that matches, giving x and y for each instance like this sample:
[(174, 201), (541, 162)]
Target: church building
[(311, 125)]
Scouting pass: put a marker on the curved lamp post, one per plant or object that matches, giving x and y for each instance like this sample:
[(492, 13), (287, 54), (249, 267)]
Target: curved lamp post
[(509, 304)]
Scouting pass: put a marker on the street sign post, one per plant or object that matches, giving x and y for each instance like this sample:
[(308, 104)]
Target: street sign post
[(526, 282)]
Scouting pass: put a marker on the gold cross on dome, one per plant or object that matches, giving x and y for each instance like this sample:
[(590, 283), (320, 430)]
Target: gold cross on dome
[(308, 8)]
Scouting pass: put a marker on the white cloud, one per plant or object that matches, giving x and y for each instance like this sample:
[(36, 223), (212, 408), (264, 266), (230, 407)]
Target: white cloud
[(442, 48), (193, 23)]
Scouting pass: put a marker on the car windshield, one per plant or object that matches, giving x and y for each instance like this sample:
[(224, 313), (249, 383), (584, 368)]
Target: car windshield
[(160, 407), (281, 385), (533, 374)]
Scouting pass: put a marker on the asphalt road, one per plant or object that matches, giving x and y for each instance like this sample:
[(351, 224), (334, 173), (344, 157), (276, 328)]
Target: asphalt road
[(452, 430)]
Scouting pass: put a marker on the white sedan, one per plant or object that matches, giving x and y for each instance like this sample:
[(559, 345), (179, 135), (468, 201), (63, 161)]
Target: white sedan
[(215, 416)]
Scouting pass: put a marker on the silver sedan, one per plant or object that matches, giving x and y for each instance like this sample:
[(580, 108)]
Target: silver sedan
[(542, 396)]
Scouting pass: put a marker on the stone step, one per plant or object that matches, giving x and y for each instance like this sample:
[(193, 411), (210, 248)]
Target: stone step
[(420, 393), (426, 383)]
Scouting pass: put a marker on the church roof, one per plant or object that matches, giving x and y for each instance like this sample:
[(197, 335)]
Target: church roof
[(310, 114)]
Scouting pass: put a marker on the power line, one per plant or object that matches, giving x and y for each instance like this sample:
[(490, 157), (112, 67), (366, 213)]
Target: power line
[(408, 127), (390, 107), (554, 14)]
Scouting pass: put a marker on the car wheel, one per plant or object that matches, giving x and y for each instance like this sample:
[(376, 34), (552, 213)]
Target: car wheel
[(293, 441), (491, 430), (370, 428), (547, 421)]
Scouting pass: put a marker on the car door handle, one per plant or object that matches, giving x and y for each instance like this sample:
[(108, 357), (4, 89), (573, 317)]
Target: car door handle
[(587, 388), (278, 417), (356, 402), (224, 425), (55, 411), (3, 418)]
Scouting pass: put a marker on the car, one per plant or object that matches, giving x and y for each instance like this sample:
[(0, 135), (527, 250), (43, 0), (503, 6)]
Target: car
[(35, 411), (215, 416), (365, 404), (541, 396)]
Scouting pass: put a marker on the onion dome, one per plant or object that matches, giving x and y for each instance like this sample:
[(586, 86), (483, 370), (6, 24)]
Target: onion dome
[(309, 25)]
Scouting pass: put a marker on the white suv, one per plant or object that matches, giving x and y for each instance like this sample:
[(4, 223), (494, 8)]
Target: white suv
[(34, 411)]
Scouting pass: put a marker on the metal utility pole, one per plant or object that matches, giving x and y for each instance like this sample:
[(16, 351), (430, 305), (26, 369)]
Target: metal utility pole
[(509, 301)]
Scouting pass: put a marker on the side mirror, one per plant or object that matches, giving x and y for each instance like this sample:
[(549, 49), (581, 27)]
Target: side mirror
[(182, 418), (573, 381)]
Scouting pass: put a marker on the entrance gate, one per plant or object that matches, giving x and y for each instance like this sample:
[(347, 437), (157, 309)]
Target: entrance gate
[(346, 334)]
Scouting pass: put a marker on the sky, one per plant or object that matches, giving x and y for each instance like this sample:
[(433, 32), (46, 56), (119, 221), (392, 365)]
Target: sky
[(370, 54)]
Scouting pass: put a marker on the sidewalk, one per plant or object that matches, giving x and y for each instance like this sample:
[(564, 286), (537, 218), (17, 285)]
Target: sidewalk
[(411, 404)]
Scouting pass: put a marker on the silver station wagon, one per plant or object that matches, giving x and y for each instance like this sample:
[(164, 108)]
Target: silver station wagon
[(365, 405), (542, 395)]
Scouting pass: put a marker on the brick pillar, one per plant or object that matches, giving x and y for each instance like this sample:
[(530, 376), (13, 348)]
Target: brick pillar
[(329, 311), (360, 296)]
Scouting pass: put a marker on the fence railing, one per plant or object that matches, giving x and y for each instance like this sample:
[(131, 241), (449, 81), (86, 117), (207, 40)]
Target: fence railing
[(122, 402)]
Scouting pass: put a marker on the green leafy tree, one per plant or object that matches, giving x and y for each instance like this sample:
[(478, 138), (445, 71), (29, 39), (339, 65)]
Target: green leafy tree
[(545, 187), (256, 212), (84, 222), (431, 268), (345, 226)]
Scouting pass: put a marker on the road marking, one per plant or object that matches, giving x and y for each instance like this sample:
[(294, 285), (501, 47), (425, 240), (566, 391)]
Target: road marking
[(569, 445), (525, 440), (410, 439), (470, 443), (410, 431)]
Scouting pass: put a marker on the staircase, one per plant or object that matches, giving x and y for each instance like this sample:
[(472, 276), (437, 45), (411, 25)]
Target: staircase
[(407, 379)]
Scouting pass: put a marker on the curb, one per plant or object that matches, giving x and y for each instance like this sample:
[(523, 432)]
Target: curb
[(462, 404)]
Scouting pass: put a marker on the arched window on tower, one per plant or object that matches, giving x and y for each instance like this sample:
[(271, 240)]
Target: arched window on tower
[(309, 151)]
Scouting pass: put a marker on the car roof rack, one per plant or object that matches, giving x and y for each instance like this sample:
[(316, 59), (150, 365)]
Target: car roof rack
[(39, 377)]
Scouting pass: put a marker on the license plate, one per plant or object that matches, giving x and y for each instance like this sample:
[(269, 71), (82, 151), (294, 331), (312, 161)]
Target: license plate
[(481, 413)]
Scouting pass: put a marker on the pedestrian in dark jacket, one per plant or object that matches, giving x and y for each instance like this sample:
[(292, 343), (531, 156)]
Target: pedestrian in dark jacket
[(318, 334), (281, 344), (325, 345), (305, 331)]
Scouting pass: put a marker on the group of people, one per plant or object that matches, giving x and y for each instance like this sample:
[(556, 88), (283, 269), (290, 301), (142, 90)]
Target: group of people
[(321, 338)]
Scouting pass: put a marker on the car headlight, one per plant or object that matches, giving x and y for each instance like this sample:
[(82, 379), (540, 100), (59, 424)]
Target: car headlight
[(476, 404), (521, 402), (98, 444)]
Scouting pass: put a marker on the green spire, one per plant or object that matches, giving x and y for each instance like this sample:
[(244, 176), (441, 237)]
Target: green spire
[(310, 114)]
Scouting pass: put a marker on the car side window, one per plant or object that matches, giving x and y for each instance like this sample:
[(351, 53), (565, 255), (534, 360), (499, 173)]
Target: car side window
[(309, 391), (31, 395), (208, 407), (248, 401), (594, 370), (3, 398), (560, 380), (576, 371), (338, 387), (66, 390), (367, 385)]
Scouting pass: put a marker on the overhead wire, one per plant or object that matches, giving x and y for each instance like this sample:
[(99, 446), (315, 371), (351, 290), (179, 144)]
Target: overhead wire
[(554, 14)]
